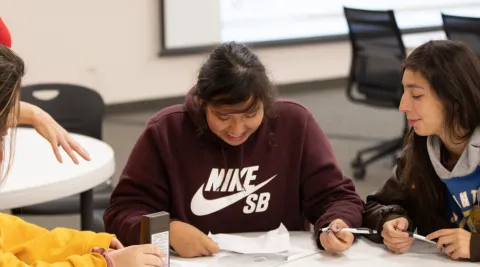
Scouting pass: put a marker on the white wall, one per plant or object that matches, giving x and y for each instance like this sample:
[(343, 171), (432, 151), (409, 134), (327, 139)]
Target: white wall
[(112, 46), (192, 22)]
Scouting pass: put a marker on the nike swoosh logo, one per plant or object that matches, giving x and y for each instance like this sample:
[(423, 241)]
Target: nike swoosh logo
[(201, 206)]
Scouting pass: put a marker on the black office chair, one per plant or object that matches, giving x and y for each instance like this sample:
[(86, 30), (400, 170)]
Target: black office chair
[(463, 29), (378, 53), (79, 110)]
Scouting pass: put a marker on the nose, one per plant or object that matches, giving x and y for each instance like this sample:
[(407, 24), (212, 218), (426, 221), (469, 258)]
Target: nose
[(237, 127), (405, 103)]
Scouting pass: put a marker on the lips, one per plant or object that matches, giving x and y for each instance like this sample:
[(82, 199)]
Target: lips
[(412, 122), (233, 137)]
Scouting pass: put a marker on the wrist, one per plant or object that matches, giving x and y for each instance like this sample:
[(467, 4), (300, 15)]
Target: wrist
[(29, 114), (104, 253)]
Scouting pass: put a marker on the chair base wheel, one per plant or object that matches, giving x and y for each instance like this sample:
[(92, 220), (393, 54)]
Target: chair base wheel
[(359, 173), (356, 163)]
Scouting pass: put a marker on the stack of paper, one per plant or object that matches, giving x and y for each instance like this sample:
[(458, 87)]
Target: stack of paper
[(268, 250), (274, 241)]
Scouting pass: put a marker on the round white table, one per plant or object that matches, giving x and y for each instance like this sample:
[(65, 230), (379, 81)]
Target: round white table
[(36, 176), (363, 253)]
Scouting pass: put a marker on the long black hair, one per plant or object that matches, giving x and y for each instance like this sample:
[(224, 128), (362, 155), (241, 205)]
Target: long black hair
[(12, 69), (453, 72)]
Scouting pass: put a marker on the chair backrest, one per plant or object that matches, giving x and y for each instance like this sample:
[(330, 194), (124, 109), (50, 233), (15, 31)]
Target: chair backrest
[(76, 108), (378, 53), (463, 29)]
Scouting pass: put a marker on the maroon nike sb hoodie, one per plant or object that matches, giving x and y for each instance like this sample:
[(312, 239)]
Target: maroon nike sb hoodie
[(284, 173)]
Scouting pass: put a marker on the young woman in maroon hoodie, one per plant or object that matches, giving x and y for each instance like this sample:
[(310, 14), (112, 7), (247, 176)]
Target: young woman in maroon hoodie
[(234, 158)]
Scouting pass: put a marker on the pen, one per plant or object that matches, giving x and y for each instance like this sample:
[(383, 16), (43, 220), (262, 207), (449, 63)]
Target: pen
[(410, 234), (354, 230)]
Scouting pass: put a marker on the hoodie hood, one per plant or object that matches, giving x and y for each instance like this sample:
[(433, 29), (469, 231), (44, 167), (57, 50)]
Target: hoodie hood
[(467, 163)]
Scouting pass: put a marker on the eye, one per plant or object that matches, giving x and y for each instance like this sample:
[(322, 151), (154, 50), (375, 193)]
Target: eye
[(251, 115), (223, 117), (416, 96)]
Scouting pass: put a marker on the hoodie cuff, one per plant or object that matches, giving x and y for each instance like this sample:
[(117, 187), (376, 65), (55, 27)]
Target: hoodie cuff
[(101, 240), (475, 247)]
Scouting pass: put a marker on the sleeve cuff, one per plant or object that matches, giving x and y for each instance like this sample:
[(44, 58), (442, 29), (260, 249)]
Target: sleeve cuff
[(101, 240), (475, 247)]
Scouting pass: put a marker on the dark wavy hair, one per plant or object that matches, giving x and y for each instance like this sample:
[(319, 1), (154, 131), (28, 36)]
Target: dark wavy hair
[(453, 72), (233, 74)]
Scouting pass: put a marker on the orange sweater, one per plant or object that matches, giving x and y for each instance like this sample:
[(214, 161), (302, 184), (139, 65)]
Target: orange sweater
[(24, 244)]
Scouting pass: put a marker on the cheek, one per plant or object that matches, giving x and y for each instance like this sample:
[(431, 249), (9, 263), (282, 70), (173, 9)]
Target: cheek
[(431, 114), (215, 124), (254, 123)]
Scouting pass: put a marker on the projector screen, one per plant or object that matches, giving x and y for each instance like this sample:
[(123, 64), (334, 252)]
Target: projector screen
[(191, 24)]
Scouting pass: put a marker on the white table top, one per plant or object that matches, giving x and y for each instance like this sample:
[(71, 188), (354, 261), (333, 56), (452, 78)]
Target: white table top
[(36, 176), (362, 253)]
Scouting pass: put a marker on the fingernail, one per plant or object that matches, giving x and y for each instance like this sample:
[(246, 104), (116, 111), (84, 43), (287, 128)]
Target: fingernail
[(335, 227)]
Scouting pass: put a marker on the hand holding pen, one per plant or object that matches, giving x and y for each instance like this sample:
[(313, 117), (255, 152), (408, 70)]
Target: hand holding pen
[(333, 239), (395, 235)]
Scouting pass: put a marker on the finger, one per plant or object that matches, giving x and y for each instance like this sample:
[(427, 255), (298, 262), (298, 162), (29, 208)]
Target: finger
[(405, 247), (79, 149), (402, 245), (151, 260), (456, 255), (211, 246), (439, 233), (337, 225), (392, 233), (444, 241), (117, 244), (66, 146), (396, 240), (54, 145), (450, 249), (203, 251), (152, 250), (345, 237), (335, 243), (401, 224), (390, 246), (325, 243)]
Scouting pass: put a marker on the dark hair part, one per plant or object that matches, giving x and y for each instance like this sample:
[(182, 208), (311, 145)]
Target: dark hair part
[(12, 69), (453, 72), (233, 74)]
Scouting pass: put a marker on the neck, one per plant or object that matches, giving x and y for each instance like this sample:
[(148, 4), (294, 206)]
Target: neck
[(454, 147)]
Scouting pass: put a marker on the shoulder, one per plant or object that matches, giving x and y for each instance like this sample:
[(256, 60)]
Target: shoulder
[(169, 121), (169, 114), (287, 108)]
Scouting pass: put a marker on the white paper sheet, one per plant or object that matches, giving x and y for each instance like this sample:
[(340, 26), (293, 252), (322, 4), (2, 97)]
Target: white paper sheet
[(274, 241), (180, 263), (232, 259)]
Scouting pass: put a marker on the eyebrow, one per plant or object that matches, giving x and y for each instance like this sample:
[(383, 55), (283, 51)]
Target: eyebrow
[(252, 109), (413, 86)]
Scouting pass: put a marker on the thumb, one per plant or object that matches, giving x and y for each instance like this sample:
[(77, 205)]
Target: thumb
[(338, 225), (401, 224)]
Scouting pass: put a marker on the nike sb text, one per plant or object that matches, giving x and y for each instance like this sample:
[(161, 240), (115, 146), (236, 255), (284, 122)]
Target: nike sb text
[(221, 180)]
